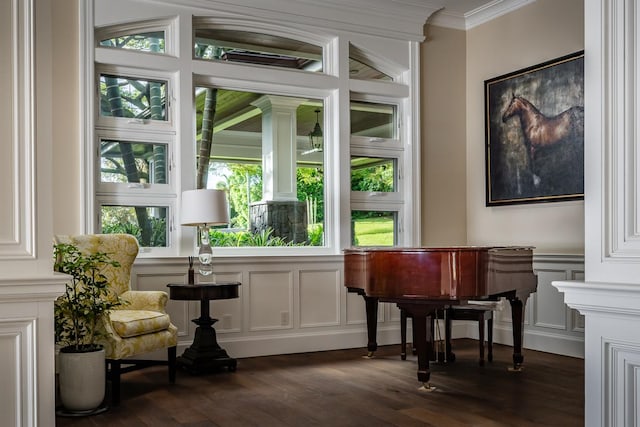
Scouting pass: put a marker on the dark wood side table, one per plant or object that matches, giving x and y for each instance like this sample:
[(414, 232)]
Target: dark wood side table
[(204, 354)]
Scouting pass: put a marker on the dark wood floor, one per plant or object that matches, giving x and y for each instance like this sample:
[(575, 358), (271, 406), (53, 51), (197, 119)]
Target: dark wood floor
[(341, 388)]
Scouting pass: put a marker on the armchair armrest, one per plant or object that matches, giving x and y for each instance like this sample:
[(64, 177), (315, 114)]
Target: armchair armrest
[(145, 300)]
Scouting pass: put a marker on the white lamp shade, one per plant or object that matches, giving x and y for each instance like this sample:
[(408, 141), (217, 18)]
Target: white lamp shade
[(204, 207)]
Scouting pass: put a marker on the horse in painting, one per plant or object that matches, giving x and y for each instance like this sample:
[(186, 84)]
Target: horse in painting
[(540, 131)]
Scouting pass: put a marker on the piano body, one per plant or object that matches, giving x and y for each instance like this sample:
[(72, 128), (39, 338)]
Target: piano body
[(423, 279)]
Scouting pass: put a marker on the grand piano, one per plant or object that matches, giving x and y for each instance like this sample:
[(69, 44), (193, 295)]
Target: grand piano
[(422, 280)]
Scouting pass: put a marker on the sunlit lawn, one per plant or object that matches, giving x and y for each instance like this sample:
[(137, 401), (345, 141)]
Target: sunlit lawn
[(374, 232)]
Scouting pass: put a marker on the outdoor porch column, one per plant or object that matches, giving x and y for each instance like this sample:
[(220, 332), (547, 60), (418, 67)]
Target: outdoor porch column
[(279, 210), (279, 126)]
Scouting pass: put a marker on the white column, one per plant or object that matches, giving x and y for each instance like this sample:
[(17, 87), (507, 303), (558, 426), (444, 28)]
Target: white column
[(609, 298), (279, 134)]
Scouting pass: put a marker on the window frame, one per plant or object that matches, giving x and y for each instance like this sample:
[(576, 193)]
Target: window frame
[(166, 25), (332, 85), (136, 137)]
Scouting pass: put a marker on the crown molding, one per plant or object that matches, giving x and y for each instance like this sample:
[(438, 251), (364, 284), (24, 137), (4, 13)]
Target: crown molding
[(480, 15), (398, 19)]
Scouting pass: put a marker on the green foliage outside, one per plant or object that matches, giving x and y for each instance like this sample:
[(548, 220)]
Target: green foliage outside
[(124, 220), (373, 232), (375, 178)]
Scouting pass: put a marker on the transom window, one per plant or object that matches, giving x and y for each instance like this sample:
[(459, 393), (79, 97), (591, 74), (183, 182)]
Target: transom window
[(256, 48), (152, 41)]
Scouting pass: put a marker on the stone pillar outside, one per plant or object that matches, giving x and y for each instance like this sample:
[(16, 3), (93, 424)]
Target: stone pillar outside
[(287, 219)]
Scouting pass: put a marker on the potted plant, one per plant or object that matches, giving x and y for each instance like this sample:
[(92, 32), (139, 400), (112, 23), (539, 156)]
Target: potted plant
[(78, 313)]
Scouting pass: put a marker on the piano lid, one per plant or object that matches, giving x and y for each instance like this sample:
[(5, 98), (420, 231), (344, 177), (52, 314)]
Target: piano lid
[(443, 273)]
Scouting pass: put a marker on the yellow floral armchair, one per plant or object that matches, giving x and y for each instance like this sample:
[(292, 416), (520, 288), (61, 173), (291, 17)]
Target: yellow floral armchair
[(139, 326)]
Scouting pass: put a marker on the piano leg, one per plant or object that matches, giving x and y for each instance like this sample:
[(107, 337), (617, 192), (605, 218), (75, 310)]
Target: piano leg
[(517, 319), (371, 305), (423, 341)]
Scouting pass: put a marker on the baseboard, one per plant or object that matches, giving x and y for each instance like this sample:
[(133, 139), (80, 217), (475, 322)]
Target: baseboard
[(267, 345)]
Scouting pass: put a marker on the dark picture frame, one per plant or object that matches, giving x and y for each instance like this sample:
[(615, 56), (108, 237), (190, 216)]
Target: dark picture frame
[(534, 124)]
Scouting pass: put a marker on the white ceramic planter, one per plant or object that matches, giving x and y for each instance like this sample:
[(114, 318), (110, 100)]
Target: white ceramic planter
[(82, 380)]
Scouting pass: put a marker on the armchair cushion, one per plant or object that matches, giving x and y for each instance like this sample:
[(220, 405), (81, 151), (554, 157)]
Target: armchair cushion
[(131, 323), (144, 300)]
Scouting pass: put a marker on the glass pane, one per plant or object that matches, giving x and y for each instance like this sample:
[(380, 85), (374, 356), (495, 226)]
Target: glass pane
[(256, 48), (147, 223), (133, 98), (359, 68), (126, 161), (373, 228), (373, 174), (373, 120), (152, 41), (233, 135)]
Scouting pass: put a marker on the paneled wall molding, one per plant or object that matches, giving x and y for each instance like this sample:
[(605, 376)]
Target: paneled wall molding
[(32, 289), (612, 208), (17, 152), (300, 304), (26, 343), (612, 363), (18, 337), (598, 298)]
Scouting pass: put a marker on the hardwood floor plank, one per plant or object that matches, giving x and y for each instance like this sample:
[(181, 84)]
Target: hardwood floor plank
[(341, 388)]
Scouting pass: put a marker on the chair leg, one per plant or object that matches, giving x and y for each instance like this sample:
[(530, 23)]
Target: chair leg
[(403, 335), (490, 337), (115, 382), (481, 335), (448, 314), (171, 360)]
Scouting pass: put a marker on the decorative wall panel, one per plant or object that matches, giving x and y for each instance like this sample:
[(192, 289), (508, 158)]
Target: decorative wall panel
[(17, 373), (17, 150), (270, 300), (316, 290), (622, 371)]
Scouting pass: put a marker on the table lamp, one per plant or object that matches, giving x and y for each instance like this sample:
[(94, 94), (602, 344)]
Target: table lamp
[(204, 208)]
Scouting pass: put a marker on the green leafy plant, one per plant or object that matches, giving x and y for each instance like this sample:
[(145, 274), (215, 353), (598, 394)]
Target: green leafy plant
[(86, 298)]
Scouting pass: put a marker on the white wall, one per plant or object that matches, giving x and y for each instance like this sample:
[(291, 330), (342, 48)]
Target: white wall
[(443, 159), (538, 32)]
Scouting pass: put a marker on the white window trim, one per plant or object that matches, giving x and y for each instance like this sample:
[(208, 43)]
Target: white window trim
[(337, 101)]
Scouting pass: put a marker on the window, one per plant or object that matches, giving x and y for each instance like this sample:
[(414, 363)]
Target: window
[(373, 174), (360, 69), (133, 98), (153, 41), (373, 228), (255, 109), (135, 137), (373, 120), (132, 162), (243, 144), (256, 48), (147, 223), (377, 196)]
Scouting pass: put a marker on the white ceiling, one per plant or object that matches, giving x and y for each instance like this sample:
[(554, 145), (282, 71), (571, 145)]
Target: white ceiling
[(465, 14)]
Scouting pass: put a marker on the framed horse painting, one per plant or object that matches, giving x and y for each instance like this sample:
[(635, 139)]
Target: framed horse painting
[(535, 133)]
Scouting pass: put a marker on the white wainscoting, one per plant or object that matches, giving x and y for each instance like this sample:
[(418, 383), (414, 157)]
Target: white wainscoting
[(550, 325), (26, 350), (299, 304)]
